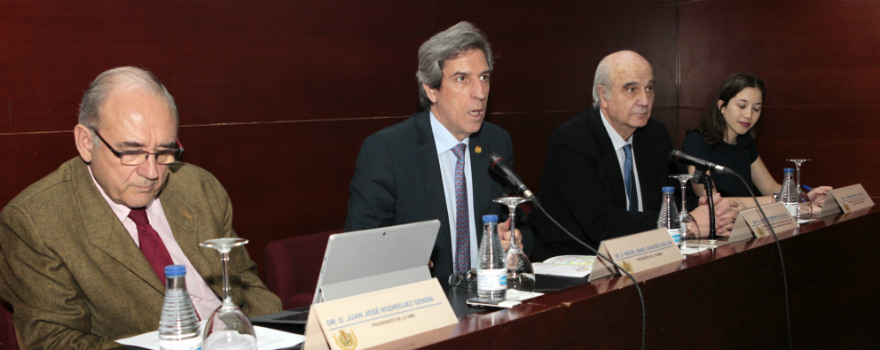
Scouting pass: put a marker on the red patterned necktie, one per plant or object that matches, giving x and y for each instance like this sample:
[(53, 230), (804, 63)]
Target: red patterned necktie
[(151, 245), (462, 219)]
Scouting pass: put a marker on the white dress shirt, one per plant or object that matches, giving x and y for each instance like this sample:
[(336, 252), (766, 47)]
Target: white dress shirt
[(445, 141), (203, 298), (618, 142)]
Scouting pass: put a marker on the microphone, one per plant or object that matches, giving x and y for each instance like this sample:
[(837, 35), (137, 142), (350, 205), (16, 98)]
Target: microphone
[(497, 164), (681, 158)]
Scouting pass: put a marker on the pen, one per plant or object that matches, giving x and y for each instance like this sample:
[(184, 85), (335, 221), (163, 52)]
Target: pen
[(808, 188)]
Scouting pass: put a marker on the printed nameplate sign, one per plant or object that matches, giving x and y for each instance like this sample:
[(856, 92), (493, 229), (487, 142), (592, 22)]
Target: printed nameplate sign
[(750, 221), (636, 252), (848, 199), (370, 319)]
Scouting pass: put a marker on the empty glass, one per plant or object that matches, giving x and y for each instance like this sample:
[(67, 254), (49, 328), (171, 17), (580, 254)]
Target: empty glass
[(520, 274), (228, 327), (689, 227), (805, 206)]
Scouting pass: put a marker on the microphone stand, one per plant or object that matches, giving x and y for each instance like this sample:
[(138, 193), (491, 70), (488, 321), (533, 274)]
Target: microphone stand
[(706, 180), (608, 259)]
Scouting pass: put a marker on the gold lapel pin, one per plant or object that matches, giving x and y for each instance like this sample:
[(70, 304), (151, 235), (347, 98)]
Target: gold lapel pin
[(478, 149)]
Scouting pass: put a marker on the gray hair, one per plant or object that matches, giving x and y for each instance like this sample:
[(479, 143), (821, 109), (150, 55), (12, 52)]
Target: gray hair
[(96, 95), (603, 77), (447, 45)]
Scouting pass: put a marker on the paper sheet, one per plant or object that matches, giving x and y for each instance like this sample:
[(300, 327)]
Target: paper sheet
[(566, 265), (267, 339)]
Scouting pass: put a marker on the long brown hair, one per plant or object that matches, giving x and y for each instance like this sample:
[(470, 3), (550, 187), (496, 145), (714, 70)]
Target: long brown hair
[(713, 125)]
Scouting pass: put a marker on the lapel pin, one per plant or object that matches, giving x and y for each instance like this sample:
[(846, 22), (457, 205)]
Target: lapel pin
[(478, 149)]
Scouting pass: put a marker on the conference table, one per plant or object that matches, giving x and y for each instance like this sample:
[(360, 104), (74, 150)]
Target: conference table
[(732, 296)]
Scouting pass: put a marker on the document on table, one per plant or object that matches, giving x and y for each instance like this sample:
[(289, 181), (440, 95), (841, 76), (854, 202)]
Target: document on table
[(267, 339), (566, 265)]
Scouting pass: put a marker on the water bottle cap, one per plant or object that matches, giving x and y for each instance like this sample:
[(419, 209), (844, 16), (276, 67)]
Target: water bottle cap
[(668, 189), (490, 218), (788, 170), (175, 270)]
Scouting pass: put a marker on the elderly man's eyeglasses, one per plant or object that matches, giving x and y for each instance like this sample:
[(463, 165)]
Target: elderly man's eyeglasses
[(165, 156)]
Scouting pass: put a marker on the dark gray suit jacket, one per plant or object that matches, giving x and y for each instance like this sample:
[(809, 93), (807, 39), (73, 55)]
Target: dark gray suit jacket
[(397, 180), (582, 186)]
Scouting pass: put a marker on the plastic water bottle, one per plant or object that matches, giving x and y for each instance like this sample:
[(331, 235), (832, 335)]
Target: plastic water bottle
[(668, 217), (790, 192), (492, 273), (179, 324)]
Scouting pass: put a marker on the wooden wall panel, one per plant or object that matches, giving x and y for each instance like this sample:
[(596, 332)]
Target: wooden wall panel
[(276, 96), (818, 60), (293, 87)]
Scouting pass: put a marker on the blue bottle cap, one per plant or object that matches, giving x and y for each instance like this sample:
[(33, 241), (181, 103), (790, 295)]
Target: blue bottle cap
[(175, 270), (668, 189), (490, 218), (788, 170)]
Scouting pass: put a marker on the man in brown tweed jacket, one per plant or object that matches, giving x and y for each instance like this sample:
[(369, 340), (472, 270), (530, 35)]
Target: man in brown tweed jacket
[(74, 271)]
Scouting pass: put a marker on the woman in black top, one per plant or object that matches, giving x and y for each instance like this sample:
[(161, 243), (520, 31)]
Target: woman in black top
[(725, 136)]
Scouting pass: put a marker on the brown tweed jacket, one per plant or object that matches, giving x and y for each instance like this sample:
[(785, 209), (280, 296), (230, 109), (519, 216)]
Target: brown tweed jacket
[(77, 280)]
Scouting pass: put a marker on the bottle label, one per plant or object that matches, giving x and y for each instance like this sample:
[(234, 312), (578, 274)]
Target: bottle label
[(676, 235), (492, 279), (792, 209), (194, 343)]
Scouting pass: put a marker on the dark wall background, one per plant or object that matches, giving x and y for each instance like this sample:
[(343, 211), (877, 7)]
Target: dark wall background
[(276, 97), (820, 62)]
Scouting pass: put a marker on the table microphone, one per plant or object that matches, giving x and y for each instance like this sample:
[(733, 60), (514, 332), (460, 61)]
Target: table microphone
[(497, 164), (680, 157)]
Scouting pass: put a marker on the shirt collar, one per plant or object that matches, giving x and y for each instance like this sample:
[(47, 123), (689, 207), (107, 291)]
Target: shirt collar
[(443, 139), (616, 139), (120, 210)]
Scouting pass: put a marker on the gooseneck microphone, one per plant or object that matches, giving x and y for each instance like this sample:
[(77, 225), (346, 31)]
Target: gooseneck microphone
[(497, 164), (680, 157), (702, 166)]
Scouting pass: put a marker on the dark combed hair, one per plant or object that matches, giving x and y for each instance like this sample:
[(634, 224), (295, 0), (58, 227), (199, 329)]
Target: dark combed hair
[(713, 126)]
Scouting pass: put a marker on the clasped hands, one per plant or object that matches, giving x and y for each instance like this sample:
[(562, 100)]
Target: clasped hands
[(726, 211), (817, 197)]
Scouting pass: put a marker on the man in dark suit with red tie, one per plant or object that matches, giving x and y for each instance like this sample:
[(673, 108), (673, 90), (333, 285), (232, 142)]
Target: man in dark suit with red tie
[(84, 248), (435, 164)]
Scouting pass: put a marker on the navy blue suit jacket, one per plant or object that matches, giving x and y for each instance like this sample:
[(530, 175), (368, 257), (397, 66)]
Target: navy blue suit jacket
[(583, 189), (397, 180)]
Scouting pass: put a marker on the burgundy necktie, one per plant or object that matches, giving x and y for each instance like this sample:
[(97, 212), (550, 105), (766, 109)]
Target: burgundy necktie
[(151, 245)]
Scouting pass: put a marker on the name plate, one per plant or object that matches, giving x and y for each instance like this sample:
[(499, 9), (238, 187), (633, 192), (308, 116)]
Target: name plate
[(848, 199), (370, 319), (749, 221), (636, 252)]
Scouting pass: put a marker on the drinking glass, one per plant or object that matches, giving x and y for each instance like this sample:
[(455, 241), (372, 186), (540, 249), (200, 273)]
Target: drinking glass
[(228, 327), (685, 217), (805, 206), (683, 213), (520, 274)]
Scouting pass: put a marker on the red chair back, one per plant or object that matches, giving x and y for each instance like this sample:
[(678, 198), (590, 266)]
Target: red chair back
[(292, 266), (7, 330)]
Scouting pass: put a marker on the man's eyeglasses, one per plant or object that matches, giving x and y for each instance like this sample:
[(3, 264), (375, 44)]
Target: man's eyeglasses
[(466, 280), (164, 157)]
